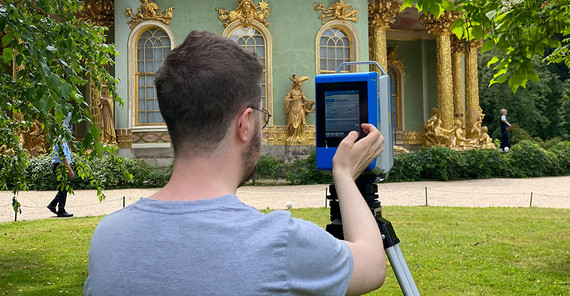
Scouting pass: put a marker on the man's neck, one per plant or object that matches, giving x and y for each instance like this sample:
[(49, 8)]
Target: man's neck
[(199, 178)]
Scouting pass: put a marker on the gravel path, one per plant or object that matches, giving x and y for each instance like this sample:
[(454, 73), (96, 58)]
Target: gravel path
[(549, 192)]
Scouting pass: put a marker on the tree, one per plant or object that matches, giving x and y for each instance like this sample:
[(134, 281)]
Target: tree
[(539, 109), (516, 29), (47, 55)]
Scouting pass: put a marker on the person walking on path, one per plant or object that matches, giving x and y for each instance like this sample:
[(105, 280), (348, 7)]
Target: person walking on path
[(57, 205), (505, 142), (194, 236)]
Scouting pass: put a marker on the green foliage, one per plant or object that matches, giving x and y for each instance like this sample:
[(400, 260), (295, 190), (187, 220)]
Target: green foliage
[(269, 168), (539, 110), (407, 168), (304, 171), (525, 159), (559, 155), (529, 160), (517, 30), (106, 170), (53, 55), (484, 164), (440, 163)]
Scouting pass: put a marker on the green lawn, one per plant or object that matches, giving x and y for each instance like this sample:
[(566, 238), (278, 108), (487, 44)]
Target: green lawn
[(450, 251)]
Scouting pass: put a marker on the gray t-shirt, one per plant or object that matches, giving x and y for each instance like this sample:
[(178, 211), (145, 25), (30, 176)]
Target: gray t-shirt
[(213, 247)]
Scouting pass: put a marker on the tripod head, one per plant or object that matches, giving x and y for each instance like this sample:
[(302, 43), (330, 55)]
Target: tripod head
[(369, 190)]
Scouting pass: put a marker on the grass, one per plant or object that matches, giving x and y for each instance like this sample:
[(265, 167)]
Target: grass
[(450, 251)]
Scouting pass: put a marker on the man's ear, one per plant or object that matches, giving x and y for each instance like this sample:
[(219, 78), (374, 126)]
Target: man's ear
[(244, 125)]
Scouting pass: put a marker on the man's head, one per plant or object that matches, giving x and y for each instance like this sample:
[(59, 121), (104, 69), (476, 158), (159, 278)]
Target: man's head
[(202, 86)]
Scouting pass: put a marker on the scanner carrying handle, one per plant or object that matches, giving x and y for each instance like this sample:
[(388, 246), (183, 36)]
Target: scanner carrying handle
[(360, 63)]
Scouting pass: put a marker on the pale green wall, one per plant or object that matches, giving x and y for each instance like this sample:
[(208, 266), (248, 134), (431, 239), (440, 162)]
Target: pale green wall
[(420, 80), (293, 25)]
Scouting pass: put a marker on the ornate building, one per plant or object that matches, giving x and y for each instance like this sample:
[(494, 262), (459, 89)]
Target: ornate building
[(427, 67)]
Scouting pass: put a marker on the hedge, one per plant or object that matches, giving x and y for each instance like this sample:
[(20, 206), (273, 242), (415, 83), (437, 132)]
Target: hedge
[(525, 159)]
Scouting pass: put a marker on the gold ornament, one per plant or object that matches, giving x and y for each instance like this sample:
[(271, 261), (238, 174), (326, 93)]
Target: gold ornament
[(148, 11), (246, 12), (98, 12), (337, 11)]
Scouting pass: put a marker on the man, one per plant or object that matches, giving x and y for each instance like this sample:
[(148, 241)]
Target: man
[(194, 237), (60, 198)]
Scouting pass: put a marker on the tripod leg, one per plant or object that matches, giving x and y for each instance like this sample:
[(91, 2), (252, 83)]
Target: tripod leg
[(402, 271)]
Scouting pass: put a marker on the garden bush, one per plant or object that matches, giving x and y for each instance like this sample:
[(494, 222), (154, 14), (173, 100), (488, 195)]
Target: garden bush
[(484, 163), (525, 159), (407, 168), (269, 168), (304, 171), (560, 157), (529, 160), (440, 163)]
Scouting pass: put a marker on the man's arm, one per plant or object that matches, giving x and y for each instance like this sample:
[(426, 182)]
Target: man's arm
[(360, 229), (67, 153)]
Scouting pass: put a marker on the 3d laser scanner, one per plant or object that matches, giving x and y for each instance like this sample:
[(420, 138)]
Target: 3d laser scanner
[(343, 102)]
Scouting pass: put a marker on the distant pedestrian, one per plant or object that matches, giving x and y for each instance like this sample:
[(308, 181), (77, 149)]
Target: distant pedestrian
[(505, 142), (61, 197)]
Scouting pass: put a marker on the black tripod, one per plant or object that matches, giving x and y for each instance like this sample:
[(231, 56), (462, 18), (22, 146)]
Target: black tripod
[(369, 191)]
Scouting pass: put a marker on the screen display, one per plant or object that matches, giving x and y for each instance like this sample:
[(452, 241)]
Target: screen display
[(342, 113), (341, 108)]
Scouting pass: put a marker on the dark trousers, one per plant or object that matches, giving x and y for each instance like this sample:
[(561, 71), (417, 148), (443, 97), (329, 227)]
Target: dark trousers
[(61, 196)]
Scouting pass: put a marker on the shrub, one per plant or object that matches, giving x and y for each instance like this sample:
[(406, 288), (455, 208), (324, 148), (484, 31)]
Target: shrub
[(407, 168), (304, 171), (440, 163), (560, 157), (483, 164), (269, 168), (528, 160)]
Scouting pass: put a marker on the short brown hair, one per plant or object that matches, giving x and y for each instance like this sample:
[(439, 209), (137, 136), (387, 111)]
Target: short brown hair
[(202, 85)]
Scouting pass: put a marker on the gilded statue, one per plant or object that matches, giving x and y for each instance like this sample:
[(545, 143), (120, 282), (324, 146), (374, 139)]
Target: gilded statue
[(148, 11), (34, 139), (485, 142), (339, 10), (435, 134), (457, 140), (246, 12), (105, 104), (297, 106), (476, 129)]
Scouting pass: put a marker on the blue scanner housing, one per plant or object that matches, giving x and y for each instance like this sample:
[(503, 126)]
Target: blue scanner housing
[(343, 102)]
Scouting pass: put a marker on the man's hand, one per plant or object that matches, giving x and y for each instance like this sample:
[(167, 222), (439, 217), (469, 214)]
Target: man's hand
[(353, 157), (360, 230)]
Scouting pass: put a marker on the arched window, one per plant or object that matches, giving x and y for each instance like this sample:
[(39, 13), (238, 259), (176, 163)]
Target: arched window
[(336, 43), (149, 44), (251, 39), (255, 38), (153, 45), (396, 98), (335, 49)]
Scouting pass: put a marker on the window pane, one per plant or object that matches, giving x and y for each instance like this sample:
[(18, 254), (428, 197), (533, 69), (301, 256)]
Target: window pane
[(149, 92)]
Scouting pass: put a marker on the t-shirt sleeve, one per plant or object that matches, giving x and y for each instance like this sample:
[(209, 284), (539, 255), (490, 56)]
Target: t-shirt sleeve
[(317, 262)]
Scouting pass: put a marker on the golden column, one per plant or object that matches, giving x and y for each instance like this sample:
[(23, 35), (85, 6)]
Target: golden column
[(381, 13), (457, 50), (472, 108), (440, 28)]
